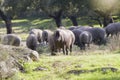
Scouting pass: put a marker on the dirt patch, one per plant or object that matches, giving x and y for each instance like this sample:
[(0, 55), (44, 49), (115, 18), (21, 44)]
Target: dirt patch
[(104, 70), (40, 69)]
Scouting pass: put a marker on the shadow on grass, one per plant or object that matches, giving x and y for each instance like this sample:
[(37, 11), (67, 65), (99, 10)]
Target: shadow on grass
[(26, 24), (104, 70)]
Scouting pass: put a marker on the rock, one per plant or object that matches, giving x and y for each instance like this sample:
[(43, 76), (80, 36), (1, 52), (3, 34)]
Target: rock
[(6, 70), (12, 59), (34, 56)]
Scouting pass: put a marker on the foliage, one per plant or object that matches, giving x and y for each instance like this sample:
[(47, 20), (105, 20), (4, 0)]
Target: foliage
[(93, 9), (69, 7), (106, 7)]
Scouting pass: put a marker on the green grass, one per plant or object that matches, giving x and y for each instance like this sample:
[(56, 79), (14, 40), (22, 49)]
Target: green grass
[(65, 67), (57, 67)]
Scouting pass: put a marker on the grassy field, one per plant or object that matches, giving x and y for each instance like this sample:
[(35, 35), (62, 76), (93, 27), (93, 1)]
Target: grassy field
[(96, 63), (82, 67)]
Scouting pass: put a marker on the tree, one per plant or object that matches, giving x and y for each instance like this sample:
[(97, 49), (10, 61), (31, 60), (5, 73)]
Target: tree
[(58, 8), (53, 9), (7, 21), (17, 8), (97, 10), (70, 10), (6, 18), (105, 8)]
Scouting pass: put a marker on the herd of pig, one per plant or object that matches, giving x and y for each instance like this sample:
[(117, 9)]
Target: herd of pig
[(63, 39)]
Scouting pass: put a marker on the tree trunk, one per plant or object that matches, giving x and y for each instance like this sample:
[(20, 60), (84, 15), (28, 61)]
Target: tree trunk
[(8, 26), (107, 20), (58, 21), (57, 17), (74, 20), (105, 23), (111, 19), (7, 21)]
